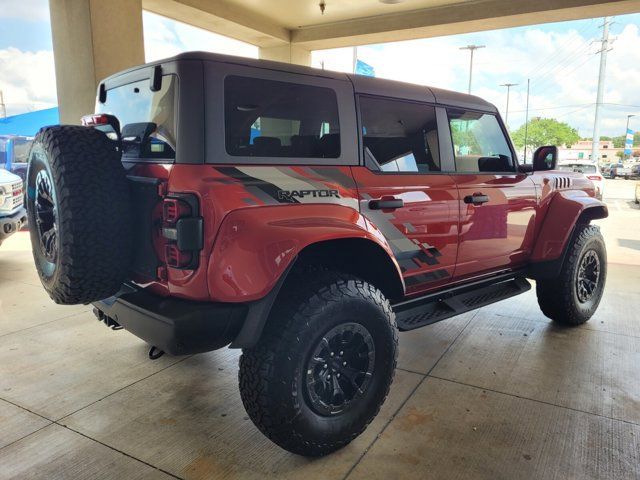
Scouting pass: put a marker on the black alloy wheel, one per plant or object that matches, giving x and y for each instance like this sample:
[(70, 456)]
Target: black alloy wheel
[(340, 368), (588, 276), (46, 216)]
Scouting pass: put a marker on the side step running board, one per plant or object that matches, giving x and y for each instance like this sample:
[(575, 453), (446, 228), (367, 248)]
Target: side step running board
[(432, 308)]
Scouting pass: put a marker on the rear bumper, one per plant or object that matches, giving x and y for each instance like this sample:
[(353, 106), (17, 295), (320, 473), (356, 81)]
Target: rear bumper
[(13, 223), (176, 326)]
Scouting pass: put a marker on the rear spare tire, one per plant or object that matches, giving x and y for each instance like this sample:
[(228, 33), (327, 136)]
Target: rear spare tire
[(79, 214)]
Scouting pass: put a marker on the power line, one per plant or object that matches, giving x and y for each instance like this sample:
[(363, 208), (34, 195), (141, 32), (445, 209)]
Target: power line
[(560, 47), (561, 60), (574, 111), (566, 74), (553, 108), (556, 58)]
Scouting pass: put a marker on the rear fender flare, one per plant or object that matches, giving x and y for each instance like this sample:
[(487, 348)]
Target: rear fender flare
[(255, 246)]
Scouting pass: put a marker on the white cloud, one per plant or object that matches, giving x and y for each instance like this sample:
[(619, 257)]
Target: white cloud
[(27, 80), (25, 9), (563, 67)]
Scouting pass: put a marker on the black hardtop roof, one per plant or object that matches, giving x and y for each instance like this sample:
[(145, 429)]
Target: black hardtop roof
[(361, 84)]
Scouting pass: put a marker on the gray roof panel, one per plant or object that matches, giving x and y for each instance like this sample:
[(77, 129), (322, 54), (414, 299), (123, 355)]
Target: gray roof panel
[(361, 84), (391, 88)]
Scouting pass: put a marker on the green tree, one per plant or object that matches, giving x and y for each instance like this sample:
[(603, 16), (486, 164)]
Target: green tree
[(619, 141), (545, 131)]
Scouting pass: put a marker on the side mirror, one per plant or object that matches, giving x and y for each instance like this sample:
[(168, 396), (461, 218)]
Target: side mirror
[(545, 158)]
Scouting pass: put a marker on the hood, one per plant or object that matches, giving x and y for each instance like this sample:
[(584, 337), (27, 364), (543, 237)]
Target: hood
[(7, 177)]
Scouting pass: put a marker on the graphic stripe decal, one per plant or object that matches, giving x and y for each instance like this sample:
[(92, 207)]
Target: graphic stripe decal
[(426, 277), (334, 174), (256, 186)]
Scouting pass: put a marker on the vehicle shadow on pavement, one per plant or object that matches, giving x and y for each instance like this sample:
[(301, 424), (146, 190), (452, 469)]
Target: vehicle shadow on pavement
[(629, 243)]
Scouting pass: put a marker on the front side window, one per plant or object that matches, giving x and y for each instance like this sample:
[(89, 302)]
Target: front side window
[(265, 118), (400, 136), (479, 143)]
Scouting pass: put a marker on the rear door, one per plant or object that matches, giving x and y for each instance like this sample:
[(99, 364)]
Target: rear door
[(403, 190), (497, 203)]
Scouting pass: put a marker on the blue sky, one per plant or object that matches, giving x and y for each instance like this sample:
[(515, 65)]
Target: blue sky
[(560, 59)]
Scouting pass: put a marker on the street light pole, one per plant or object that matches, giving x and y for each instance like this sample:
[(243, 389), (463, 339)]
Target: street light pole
[(471, 48), (506, 113), (626, 132)]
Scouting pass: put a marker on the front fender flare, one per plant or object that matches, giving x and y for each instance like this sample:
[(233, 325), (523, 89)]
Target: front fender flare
[(566, 209)]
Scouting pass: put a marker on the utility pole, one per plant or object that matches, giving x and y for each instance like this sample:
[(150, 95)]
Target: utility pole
[(471, 48), (506, 113), (595, 146), (626, 134)]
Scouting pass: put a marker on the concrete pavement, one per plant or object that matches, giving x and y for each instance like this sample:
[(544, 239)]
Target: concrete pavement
[(496, 393)]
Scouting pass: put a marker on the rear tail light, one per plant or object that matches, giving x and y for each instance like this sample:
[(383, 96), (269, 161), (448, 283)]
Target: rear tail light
[(176, 258), (174, 209), (93, 120), (182, 230)]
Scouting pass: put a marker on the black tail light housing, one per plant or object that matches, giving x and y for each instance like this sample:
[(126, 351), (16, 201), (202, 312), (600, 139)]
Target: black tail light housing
[(182, 228)]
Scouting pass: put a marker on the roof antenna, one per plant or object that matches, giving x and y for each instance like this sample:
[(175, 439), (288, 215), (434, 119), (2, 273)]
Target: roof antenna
[(322, 6)]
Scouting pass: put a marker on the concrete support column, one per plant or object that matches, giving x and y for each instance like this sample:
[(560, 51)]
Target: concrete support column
[(92, 39), (287, 53)]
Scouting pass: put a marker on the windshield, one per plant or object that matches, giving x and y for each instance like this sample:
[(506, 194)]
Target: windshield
[(147, 119), (577, 167), (14, 149)]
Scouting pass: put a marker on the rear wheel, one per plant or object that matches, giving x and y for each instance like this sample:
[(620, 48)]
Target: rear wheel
[(573, 297), (78, 213), (324, 364)]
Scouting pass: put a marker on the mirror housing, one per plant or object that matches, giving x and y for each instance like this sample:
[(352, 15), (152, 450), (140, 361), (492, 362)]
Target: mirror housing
[(545, 158)]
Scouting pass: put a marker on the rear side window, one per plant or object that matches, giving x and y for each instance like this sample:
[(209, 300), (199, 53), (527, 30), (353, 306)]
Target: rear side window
[(147, 119), (266, 118), (479, 143), (400, 136)]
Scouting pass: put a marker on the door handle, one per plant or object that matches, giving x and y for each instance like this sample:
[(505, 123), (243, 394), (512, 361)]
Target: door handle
[(384, 204), (476, 199)]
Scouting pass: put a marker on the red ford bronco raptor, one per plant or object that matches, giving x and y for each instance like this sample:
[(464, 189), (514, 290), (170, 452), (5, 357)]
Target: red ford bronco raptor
[(304, 216)]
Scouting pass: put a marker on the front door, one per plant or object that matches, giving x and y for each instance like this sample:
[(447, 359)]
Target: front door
[(497, 203), (403, 191)]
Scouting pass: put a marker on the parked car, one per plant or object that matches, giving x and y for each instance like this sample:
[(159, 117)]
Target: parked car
[(589, 169), (619, 170), (12, 212), (637, 193), (14, 152), (304, 216), (635, 170)]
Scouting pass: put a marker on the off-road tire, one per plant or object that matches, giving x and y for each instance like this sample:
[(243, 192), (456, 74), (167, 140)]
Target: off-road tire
[(271, 374), (558, 297), (91, 209)]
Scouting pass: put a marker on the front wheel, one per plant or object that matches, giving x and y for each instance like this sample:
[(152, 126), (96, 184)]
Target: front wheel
[(324, 364), (573, 297)]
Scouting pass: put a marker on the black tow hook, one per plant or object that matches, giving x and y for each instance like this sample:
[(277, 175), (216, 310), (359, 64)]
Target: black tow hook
[(155, 353)]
